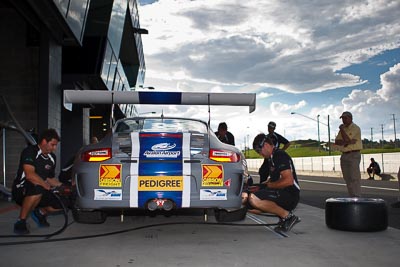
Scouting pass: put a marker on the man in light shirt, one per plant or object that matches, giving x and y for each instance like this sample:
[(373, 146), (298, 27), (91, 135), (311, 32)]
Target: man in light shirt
[(349, 140)]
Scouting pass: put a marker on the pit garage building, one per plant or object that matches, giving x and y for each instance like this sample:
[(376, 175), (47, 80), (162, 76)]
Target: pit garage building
[(48, 46)]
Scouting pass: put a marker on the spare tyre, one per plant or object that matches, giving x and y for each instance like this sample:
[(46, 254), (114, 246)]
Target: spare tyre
[(356, 214)]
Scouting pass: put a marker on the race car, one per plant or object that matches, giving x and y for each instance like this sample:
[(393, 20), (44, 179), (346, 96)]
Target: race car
[(158, 163)]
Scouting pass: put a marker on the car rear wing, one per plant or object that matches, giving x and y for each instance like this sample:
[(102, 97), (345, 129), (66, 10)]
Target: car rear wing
[(158, 98)]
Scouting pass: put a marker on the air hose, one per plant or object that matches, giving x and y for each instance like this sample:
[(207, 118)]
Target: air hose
[(129, 230), (55, 192)]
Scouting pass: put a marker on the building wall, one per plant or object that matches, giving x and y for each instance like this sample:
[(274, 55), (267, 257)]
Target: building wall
[(35, 36), (19, 82)]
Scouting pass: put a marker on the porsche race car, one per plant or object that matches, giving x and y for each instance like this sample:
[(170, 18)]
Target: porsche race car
[(157, 163)]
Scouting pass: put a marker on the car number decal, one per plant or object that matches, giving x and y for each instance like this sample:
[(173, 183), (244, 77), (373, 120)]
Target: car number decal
[(110, 175)]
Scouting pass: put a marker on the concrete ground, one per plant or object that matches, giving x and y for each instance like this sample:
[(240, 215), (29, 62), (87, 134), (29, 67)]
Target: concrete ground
[(185, 240)]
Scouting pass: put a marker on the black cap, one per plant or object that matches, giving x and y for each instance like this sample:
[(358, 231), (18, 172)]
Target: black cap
[(272, 124)]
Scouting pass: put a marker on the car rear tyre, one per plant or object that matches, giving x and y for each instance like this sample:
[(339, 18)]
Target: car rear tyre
[(356, 214), (223, 215), (89, 217)]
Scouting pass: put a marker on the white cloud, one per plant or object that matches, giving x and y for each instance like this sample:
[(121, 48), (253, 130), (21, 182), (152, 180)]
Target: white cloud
[(292, 46)]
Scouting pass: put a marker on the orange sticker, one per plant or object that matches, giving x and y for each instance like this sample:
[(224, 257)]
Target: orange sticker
[(213, 175), (110, 175)]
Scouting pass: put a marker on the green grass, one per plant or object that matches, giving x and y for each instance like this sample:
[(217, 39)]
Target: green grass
[(309, 148)]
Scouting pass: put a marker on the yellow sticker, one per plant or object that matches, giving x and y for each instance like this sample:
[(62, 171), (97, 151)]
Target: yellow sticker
[(110, 175), (165, 183), (212, 175)]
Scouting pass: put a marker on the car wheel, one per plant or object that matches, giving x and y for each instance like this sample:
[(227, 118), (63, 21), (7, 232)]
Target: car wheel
[(223, 215), (89, 217), (356, 214)]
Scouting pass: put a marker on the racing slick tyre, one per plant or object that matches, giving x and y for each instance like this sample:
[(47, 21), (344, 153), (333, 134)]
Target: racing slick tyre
[(356, 214), (223, 215), (89, 217)]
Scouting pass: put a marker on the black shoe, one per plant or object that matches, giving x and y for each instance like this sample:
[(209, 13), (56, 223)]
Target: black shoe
[(20, 228), (285, 225), (39, 218), (371, 178)]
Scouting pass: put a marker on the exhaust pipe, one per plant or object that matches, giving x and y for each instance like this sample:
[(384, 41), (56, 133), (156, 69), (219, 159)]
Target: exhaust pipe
[(162, 204), (152, 205), (168, 205)]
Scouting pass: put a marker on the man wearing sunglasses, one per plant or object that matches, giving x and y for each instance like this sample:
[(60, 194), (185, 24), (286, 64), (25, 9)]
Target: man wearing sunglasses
[(280, 194)]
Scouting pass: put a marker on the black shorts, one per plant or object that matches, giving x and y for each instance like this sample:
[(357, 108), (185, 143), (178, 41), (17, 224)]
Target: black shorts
[(48, 199), (283, 198)]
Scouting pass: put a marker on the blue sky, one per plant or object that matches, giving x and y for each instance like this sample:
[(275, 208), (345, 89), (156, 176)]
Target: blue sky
[(309, 57)]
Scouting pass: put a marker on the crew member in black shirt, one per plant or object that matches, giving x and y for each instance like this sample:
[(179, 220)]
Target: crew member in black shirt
[(34, 179), (280, 194), (277, 139)]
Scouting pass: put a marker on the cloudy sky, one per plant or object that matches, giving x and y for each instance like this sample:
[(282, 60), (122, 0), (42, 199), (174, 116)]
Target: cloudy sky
[(311, 57)]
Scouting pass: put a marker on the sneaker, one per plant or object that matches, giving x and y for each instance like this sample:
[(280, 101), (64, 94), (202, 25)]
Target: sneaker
[(39, 218), (285, 225), (20, 228)]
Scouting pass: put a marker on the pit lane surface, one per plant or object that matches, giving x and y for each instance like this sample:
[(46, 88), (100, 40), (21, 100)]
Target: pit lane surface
[(184, 240)]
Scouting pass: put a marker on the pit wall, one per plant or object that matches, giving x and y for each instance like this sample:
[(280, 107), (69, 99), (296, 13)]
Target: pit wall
[(330, 165)]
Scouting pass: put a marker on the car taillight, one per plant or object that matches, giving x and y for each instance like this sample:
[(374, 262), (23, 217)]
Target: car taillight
[(101, 154), (224, 155)]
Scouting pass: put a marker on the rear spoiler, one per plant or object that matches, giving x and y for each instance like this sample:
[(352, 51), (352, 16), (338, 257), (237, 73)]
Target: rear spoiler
[(158, 98)]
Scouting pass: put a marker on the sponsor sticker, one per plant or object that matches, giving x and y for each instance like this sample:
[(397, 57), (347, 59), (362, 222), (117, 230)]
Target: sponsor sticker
[(156, 183), (161, 146), (110, 175), (213, 194), (212, 175), (107, 194)]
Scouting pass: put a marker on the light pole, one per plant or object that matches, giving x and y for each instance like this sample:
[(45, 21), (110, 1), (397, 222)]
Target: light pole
[(318, 122), (319, 141)]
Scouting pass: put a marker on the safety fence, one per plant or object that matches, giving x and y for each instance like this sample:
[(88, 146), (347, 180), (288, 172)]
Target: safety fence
[(389, 163)]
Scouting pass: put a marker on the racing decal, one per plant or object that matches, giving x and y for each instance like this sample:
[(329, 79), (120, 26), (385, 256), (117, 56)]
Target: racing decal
[(169, 147), (212, 175), (107, 194), (228, 182), (160, 172), (168, 98), (213, 194), (110, 175), (159, 183)]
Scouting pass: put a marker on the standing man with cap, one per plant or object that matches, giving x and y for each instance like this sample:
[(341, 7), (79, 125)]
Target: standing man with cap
[(277, 139), (349, 140)]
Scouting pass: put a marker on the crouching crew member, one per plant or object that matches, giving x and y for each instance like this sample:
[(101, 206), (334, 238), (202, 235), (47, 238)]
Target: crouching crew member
[(35, 178), (280, 194)]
